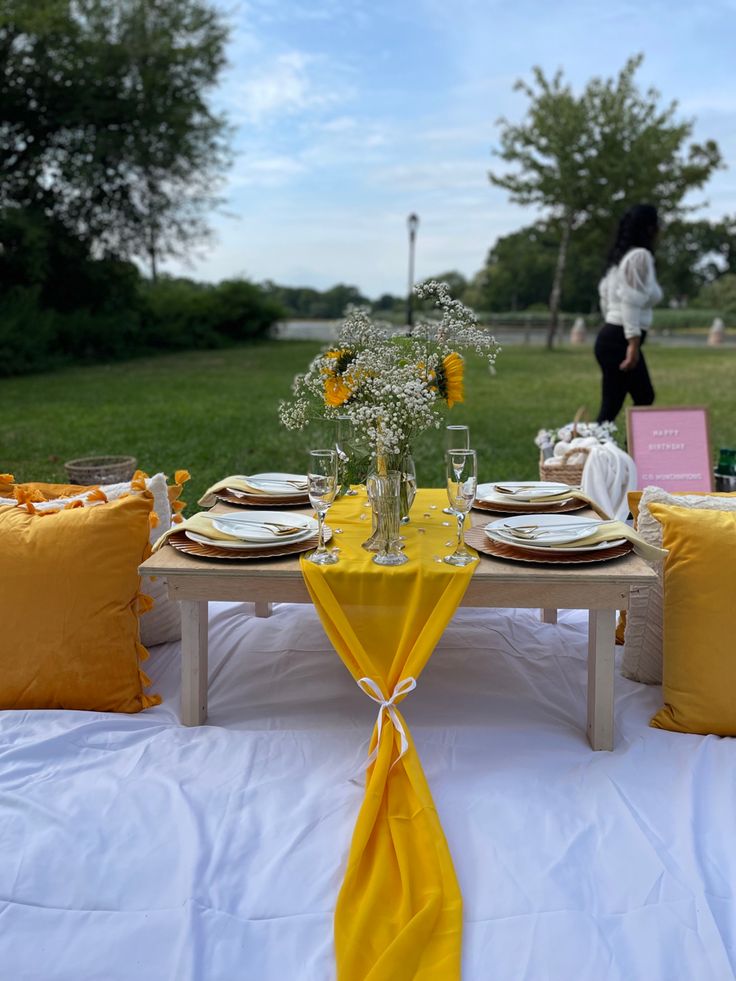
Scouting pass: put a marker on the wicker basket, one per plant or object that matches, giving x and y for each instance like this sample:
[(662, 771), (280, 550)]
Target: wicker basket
[(101, 469), (564, 473)]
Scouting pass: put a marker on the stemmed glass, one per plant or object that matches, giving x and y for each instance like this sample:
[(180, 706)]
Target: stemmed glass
[(345, 447), (409, 481), (322, 486), (462, 481), (456, 438)]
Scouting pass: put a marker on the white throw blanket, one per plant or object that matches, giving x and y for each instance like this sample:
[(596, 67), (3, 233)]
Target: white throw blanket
[(609, 474)]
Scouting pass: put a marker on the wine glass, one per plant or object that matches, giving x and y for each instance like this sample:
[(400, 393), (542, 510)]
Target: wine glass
[(456, 438), (462, 481), (409, 484), (345, 446), (322, 488)]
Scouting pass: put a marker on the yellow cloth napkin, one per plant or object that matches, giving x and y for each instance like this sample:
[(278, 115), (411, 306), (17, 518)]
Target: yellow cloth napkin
[(235, 483), (617, 529), (200, 524), (399, 912)]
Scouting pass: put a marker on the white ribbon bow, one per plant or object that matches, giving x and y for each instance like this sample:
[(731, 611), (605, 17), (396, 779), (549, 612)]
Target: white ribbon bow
[(369, 687)]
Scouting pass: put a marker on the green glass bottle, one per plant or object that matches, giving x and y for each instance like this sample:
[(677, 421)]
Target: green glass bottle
[(726, 462)]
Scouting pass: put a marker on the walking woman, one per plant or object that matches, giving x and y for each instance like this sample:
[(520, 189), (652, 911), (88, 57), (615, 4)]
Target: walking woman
[(628, 291)]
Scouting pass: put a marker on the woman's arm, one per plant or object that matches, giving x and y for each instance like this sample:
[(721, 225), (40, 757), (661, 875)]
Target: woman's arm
[(639, 291), (632, 354)]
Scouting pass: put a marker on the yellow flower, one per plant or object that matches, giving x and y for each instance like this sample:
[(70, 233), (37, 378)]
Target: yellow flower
[(451, 379), (336, 391), (340, 358)]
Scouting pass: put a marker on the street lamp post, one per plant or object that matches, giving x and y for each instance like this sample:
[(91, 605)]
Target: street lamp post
[(412, 223)]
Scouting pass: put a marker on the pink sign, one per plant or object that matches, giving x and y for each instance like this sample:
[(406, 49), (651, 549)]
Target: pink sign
[(671, 447)]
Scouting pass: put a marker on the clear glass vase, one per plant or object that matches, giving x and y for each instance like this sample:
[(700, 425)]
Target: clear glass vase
[(403, 463), (384, 495)]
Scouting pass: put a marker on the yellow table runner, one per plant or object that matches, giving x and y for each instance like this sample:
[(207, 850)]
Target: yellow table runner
[(399, 912)]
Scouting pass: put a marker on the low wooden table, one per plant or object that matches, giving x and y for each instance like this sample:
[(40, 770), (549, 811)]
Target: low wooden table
[(601, 588)]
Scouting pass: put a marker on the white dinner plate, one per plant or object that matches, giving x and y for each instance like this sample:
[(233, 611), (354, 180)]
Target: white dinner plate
[(555, 537), (529, 491), (257, 537), (277, 484)]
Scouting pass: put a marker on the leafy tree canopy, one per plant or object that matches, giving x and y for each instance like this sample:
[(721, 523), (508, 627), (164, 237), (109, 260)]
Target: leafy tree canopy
[(583, 159), (105, 128)]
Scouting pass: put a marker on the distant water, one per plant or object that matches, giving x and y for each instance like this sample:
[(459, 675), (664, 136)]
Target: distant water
[(307, 330), (327, 330)]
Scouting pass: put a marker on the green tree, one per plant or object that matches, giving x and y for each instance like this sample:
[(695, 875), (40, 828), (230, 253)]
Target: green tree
[(719, 295), (456, 282), (584, 159), (304, 301), (722, 248), (105, 127), (520, 268)]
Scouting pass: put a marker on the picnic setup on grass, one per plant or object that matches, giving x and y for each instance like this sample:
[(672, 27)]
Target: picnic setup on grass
[(521, 775)]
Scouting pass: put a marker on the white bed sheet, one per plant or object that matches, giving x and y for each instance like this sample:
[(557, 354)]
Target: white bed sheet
[(134, 848)]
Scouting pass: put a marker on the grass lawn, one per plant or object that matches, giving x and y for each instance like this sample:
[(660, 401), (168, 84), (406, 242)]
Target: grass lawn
[(214, 412)]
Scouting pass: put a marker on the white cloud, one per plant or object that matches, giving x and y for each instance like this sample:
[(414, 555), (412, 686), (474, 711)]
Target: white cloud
[(434, 175), (265, 171), (283, 87)]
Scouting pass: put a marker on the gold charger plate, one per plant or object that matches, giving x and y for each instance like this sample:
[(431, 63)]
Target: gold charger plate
[(262, 500), (573, 504), (180, 542), (477, 538)]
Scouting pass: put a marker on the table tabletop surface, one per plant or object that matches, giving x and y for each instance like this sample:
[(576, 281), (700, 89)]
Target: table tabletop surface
[(629, 569)]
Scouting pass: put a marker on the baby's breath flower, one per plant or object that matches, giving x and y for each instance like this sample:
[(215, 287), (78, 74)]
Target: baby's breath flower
[(391, 386)]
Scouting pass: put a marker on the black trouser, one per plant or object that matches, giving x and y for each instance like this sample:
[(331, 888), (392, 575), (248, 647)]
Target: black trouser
[(610, 351)]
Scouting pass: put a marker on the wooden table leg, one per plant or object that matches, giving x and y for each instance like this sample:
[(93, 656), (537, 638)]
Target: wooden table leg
[(601, 657), (193, 662), (549, 616)]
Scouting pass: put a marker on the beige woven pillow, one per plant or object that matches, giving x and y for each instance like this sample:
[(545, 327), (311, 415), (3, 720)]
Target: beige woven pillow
[(642, 660), (162, 623)]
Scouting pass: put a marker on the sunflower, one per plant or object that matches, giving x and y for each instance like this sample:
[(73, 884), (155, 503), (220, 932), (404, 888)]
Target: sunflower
[(339, 384), (450, 379), (341, 358), (337, 391)]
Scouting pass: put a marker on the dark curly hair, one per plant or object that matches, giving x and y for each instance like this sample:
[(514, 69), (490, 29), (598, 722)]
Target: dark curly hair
[(637, 229)]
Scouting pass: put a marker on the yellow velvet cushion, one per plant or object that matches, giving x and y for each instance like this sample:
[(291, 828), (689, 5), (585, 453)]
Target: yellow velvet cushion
[(634, 497), (47, 492), (69, 601), (699, 670)]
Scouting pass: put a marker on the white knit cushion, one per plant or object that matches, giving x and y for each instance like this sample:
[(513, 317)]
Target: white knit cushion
[(642, 660), (163, 622)]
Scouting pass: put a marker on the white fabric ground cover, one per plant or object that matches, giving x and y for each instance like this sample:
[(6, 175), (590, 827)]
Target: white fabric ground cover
[(134, 848)]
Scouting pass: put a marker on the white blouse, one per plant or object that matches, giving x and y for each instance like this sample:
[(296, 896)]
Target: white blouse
[(628, 292)]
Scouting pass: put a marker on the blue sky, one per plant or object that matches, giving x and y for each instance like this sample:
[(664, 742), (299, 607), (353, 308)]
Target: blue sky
[(350, 115)]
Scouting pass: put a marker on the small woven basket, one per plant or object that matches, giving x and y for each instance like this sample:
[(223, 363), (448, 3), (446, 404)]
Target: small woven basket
[(101, 469), (564, 472)]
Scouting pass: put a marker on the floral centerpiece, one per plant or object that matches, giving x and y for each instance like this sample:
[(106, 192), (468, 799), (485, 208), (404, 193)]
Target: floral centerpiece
[(391, 386)]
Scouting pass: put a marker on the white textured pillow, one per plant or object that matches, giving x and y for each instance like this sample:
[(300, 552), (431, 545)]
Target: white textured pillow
[(642, 660), (163, 621)]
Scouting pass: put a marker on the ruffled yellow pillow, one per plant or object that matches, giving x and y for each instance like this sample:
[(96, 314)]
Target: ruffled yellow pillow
[(69, 603), (699, 667)]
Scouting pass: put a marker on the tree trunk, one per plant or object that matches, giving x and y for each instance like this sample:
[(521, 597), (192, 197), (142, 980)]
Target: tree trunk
[(554, 297)]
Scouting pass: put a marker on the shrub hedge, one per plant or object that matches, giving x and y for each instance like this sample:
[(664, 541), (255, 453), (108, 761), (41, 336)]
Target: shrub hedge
[(129, 319)]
